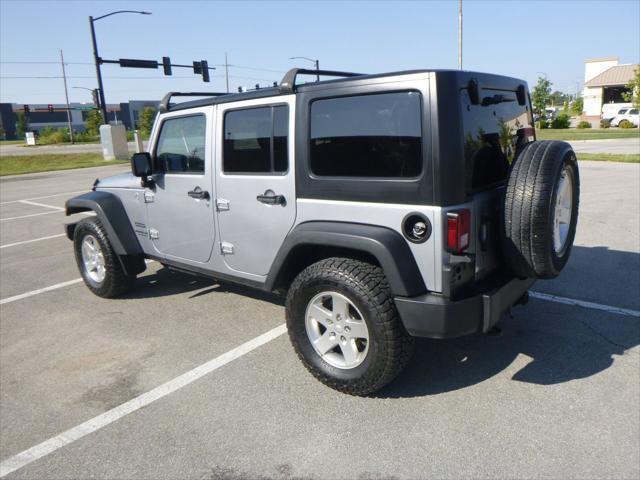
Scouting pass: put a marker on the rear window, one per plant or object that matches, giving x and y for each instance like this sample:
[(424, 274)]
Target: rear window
[(493, 131), (367, 136)]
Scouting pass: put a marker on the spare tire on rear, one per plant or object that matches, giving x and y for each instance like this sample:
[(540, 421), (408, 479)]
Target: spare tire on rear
[(541, 209)]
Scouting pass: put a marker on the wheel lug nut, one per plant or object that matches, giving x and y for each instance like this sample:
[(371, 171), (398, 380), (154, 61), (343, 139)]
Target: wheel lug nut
[(343, 340), (347, 329)]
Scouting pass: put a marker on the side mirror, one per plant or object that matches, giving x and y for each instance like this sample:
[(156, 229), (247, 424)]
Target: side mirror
[(141, 164)]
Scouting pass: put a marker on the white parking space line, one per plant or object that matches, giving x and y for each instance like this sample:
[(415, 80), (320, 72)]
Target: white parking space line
[(46, 196), (582, 303), (39, 291), (30, 215), (15, 244), (29, 202), (96, 423)]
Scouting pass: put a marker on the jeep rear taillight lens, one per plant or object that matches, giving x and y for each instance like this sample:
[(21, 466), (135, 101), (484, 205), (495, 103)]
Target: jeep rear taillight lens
[(458, 230)]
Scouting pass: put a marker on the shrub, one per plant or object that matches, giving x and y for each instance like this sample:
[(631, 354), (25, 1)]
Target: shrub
[(542, 124), (50, 135), (561, 121), (145, 121), (94, 120), (605, 123), (625, 124), (584, 124), (85, 136)]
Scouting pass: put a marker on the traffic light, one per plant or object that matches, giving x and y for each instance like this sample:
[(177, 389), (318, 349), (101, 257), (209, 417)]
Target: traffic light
[(26, 109), (96, 98), (197, 68), (50, 108), (166, 65), (204, 65)]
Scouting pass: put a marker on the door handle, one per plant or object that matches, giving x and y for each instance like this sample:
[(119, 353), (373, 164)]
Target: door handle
[(272, 199), (199, 194)]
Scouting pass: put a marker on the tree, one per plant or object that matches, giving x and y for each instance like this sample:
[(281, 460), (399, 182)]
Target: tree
[(94, 120), (145, 121), (558, 98), (541, 95), (577, 106), (22, 124), (633, 95)]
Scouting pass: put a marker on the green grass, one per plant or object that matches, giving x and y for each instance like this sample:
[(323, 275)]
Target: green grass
[(586, 133), (610, 157), (18, 164), (11, 142)]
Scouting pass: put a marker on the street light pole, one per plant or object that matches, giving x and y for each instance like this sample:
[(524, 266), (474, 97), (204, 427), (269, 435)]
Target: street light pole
[(98, 60)]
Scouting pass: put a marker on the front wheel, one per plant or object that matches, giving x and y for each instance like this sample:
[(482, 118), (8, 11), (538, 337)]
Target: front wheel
[(344, 325), (98, 263)]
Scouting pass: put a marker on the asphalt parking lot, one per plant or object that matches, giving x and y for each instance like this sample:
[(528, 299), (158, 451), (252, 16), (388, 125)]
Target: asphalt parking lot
[(555, 395)]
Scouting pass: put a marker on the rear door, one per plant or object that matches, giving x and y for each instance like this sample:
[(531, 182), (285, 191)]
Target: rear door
[(255, 181), (179, 207)]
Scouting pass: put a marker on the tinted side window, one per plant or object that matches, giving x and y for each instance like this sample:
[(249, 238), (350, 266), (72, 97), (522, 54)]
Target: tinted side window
[(255, 140), (181, 145), (367, 136), (633, 111)]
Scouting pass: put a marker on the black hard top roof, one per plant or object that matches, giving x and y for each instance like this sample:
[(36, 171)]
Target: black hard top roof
[(288, 86)]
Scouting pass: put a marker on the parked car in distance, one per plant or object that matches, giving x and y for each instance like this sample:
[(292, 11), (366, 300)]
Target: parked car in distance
[(630, 114), (610, 110)]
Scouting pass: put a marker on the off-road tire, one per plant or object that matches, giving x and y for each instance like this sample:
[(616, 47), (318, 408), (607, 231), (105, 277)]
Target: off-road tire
[(365, 285), (116, 281), (529, 201)]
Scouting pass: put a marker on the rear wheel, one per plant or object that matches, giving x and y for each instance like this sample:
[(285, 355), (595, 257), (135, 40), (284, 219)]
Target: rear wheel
[(98, 263), (344, 326)]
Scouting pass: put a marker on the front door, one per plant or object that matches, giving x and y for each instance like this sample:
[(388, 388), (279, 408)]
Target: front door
[(180, 206), (255, 181)]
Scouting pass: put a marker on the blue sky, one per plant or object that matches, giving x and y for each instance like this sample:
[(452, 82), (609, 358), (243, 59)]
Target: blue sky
[(517, 38)]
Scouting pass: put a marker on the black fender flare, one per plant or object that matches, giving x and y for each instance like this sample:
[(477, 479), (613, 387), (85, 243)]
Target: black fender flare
[(113, 217), (387, 246)]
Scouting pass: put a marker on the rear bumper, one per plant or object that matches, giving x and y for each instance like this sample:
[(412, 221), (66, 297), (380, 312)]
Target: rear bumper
[(435, 316)]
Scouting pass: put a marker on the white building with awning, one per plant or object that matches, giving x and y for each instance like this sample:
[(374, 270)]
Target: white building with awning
[(605, 81)]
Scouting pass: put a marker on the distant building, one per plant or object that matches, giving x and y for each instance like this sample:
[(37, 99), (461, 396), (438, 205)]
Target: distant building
[(605, 82), (40, 116)]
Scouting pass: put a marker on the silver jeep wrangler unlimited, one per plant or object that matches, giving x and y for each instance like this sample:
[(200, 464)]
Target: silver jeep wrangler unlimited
[(384, 207)]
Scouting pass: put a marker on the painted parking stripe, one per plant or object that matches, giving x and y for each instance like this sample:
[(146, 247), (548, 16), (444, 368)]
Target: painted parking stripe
[(30, 215), (46, 196), (584, 304), (15, 244), (15, 298), (29, 202), (96, 423)]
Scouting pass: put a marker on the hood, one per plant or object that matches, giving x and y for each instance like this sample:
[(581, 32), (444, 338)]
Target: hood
[(122, 180)]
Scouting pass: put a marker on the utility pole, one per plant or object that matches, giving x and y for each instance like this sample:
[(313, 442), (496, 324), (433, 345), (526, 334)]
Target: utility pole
[(460, 34), (226, 70), (66, 96)]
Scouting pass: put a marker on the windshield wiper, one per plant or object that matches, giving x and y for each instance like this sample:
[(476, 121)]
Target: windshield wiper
[(496, 99)]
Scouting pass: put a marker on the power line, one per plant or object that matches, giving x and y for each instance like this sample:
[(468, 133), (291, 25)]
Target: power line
[(47, 63)]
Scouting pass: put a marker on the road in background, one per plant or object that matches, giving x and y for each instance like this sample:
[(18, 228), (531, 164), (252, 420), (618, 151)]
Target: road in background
[(7, 150), (556, 395), (619, 145)]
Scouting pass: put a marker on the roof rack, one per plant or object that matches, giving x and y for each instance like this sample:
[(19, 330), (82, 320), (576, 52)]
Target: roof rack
[(164, 104), (288, 83)]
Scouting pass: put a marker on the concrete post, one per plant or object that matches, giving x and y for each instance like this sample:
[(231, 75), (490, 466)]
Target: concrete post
[(113, 139), (138, 141)]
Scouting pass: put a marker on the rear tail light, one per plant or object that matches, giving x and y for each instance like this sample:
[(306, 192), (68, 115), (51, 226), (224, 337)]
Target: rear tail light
[(458, 230)]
